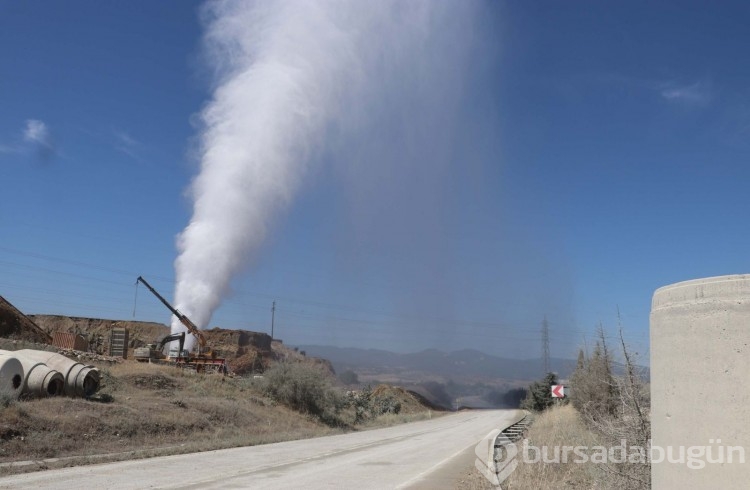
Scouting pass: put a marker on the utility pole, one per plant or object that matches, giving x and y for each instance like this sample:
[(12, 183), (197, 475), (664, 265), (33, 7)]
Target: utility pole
[(545, 345), (273, 314)]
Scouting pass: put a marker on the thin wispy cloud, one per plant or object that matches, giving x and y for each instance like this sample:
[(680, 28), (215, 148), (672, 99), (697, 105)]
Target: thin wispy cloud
[(698, 93), (37, 132), (127, 144)]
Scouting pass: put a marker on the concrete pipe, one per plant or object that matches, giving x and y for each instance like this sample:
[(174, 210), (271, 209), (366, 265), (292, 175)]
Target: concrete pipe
[(700, 360), (11, 376), (80, 380), (38, 379)]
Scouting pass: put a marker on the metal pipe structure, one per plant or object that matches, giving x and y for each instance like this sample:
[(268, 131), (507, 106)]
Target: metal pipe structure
[(11, 376), (80, 379)]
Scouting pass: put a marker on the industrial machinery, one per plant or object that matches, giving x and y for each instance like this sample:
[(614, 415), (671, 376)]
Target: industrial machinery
[(152, 353), (205, 360)]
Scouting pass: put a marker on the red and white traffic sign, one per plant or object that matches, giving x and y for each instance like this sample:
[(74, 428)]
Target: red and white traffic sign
[(558, 391)]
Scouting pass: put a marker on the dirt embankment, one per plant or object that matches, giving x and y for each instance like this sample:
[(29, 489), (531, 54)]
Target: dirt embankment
[(16, 325), (146, 409), (140, 333), (246, 351)]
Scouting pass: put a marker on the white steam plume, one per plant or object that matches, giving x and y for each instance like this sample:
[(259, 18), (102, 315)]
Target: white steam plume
[(287, 72)]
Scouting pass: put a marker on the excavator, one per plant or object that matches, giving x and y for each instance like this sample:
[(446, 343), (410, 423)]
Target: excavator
[(206, 359), (152, 352)]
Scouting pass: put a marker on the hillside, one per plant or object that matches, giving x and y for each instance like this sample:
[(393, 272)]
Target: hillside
[(463, 364), (244, 350), (141, 333), (14, 324), (144, 410)]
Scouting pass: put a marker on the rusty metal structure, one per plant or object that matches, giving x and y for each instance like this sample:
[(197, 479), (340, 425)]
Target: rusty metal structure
[(66, 340)]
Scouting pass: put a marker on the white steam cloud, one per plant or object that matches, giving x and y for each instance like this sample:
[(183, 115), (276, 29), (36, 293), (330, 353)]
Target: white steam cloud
[(292, 77)]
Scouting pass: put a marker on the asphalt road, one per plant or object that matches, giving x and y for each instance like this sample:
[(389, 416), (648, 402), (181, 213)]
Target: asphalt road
[(426, 454)]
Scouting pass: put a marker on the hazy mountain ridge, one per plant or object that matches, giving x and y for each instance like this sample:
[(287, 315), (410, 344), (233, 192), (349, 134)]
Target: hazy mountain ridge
[(455, 364)]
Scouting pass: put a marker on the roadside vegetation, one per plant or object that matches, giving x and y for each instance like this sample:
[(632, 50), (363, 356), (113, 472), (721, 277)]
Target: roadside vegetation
[(602, 410), (144, 410), (605, 410)]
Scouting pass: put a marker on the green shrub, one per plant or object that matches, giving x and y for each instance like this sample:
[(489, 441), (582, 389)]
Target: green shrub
[(368, 405), (386, 404), (539, 396), (305, 389)]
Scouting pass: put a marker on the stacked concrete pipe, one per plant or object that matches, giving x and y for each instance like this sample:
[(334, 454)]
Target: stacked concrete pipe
[(39, 380), (80, 379), (11, 376)]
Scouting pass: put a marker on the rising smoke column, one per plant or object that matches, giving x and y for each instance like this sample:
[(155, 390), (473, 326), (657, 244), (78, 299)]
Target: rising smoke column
[(285, 73)]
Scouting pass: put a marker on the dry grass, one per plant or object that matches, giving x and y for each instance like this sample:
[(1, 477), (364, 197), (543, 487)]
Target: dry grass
[(148, 407), (144, 410), (472, 479), (557, 426)]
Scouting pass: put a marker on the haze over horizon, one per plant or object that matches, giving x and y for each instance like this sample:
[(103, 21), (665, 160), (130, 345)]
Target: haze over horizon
[(456, 176)]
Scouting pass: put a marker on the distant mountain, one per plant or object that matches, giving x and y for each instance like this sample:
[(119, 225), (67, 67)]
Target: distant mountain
[(456, 364)]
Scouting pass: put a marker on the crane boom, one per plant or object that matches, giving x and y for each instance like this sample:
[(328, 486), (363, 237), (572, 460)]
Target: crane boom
[(191, 327)]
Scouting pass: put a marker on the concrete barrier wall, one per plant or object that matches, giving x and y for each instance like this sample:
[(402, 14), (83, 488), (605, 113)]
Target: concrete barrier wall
[(700, 378)]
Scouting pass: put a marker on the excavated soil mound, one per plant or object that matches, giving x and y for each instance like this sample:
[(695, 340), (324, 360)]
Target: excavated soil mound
[(236, 342), (140, 333), (250, 362), (245, 351), (410, 402), (16, 325)]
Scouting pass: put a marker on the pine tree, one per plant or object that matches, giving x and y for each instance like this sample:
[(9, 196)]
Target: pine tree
[(593, 387), (539, 396)]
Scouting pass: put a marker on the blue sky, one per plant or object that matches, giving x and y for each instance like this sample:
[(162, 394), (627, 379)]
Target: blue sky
[(602, 154)]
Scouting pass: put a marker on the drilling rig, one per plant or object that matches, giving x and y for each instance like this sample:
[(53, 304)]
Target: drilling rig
[(206, 359)]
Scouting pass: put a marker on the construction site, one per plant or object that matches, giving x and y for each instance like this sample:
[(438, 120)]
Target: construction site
[(81, 390), (215, 351)]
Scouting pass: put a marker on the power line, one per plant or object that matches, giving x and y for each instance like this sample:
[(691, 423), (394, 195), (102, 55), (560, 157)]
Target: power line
[(374, 317)]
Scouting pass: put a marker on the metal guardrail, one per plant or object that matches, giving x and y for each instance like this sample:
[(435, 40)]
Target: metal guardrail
[(514, 432), (505, 450)]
